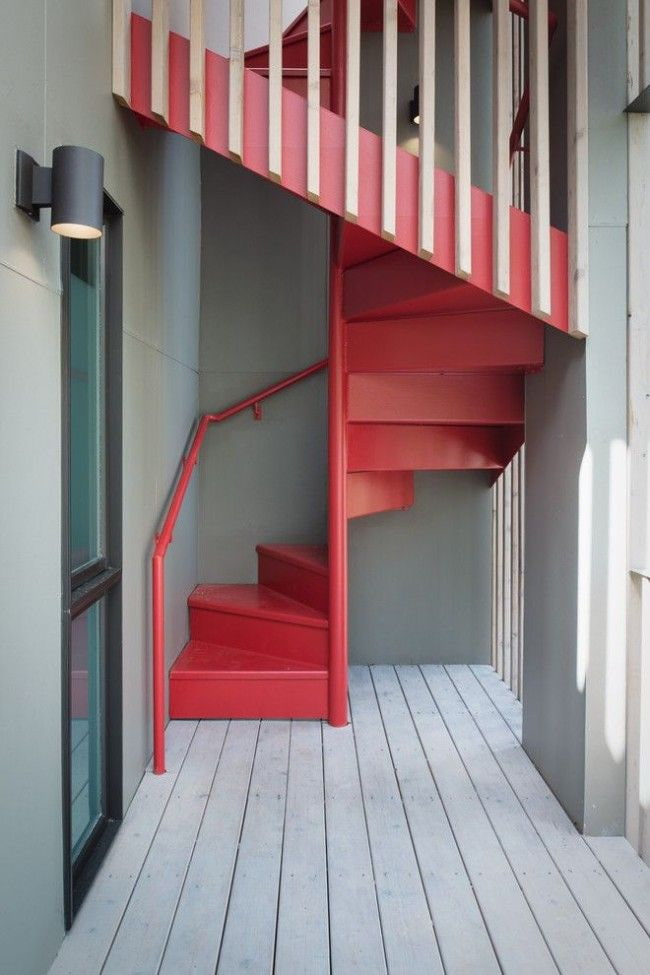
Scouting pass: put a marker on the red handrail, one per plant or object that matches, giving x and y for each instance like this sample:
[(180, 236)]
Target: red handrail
[(164, 539)]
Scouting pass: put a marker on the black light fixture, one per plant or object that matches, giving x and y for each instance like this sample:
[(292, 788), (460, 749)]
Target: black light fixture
[(73, 187), (414, 106)]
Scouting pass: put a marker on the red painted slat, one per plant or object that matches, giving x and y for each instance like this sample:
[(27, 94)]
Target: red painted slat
[(450, 398), (371, 492), (491, 340), (379, 447), (332, 169)]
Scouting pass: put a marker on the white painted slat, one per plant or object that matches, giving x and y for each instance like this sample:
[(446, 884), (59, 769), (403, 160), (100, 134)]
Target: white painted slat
[(355, 930), (249, 935), (516, 530), (197, 69), (512, 928), (501, 127), (619, 932), (522, 564), (499, 576), (302, 943), (502, 698), (578, 168), (463, 138), (427, 134), (540, 200), (122, 51), (86, 946), (507, 573), (353, 42), (389, 122), (236, 82), (569, 937), (644, 65), (275, 89), (459, 927), (160, 59), (493, 657), (628, 871), (142, 935), (409, 937), (633, 49), (195, 937), (313, 100)]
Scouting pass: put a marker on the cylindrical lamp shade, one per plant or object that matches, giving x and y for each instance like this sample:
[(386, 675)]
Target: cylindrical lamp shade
[(77, 192)]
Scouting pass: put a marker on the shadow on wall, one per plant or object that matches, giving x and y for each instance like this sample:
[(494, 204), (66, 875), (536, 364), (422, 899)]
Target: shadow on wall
[(420, 580)]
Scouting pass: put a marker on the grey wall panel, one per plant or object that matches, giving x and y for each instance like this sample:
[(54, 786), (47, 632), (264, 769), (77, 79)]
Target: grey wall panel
[(420, 579), (263, 316)]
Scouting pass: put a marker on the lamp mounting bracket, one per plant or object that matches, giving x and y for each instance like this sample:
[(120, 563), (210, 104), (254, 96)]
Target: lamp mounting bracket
[(33, 185)]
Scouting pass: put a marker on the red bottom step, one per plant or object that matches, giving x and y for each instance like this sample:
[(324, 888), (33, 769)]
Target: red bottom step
[(208, 681)]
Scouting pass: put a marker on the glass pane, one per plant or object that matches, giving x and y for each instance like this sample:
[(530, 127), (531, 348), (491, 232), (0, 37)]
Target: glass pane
[(87, 722), (87, 402)]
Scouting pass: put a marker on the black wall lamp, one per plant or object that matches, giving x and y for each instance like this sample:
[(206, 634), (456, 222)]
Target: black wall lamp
[(73, 187), (414, 106)]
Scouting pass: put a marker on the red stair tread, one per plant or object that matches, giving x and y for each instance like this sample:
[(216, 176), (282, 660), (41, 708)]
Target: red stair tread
[(310, 557), (208, 661), (257, 601)]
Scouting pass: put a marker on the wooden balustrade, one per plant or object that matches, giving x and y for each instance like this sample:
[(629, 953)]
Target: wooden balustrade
[(520, 71)]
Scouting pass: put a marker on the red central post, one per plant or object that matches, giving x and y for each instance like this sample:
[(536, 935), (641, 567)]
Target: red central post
[(338, 522)]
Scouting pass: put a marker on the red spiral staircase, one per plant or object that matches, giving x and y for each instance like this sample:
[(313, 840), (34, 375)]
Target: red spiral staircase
[(430, 368)]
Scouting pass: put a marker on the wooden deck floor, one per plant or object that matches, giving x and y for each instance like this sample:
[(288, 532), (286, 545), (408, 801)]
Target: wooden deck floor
[(420, 839)]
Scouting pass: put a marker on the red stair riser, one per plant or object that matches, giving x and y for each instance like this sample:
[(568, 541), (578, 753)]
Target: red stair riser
[(381, 447), (297, 582), (234, 697), (371, 492), (488, 342), (307, 644), (466, 398)]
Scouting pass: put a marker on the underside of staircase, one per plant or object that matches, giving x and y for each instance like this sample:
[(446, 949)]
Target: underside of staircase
[(433, 367)]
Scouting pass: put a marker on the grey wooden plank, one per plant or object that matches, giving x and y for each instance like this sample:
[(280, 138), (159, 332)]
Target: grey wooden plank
[(502, 697), (568, 935), (623, 938), (195, 936), (513, 930), (302, 940), (409, 937), (627, 870), (462, 937), (85, 947), (249, 936), (356, 944), (142, 934)]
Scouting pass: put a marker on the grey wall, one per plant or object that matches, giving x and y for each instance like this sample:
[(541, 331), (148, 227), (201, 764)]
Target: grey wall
[(263, 316), (576, 491), (55, 82), (420, 584)]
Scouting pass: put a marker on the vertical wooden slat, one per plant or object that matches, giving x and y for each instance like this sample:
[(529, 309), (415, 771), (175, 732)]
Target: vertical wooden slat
[(160, 59), (516, 530), (577, 168), (122, 51), (353, 42), (236, 83), (197, 69), (275, 89), (463, 138), (389, 124), (644, 44), (540, 205), (499, 654), (507, 572), (634, 16), (501, 126), (313, 100), (427, 125), (493, 492), (522, 564)]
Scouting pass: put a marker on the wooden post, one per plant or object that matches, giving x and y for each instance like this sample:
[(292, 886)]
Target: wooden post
[(160, 60), (389, 122), (507, 573), (197, 70), (540, 199), (313, 100), (275, 89), (577, 168), (516, 531), (122, 51), (353, 44), (463, 139), (427, 126), (501, 126), (236, 82), (499, 574)]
